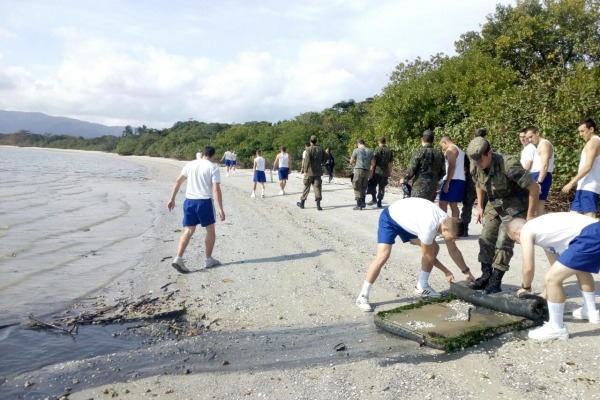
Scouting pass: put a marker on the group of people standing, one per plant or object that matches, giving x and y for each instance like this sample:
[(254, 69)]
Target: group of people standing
[(506, 190)]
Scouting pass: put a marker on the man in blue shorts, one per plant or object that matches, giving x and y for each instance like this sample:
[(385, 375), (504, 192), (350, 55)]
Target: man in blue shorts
[(282, 162), (453, 183), (572, 247), (227, 156), (418, 221), (542, 165), (588, 175), (203, 188), (259, 174)]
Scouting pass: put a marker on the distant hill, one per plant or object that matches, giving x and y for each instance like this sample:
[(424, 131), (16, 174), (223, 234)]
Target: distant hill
[(35, 122)]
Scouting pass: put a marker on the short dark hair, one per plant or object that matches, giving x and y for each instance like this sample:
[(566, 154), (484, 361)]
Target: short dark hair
[(360, 141), (456, 226), (480, 132), (381, 140), (588, 122), (282, 148), (209, 151), (258, 151), (532, 128), (428, 136), (307, 144)]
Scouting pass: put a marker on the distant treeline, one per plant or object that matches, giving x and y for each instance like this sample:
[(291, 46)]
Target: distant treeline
[(535, 63)]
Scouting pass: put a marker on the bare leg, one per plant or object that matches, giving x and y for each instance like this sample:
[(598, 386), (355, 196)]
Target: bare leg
[(184, 239), (540, 210), (444, 205), (210, 239), (555, 277), (454, 209), (383, 253)]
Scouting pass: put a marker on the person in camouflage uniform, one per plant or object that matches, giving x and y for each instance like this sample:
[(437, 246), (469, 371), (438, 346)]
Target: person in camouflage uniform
[(362, 160), (313, 171), (381, 170), (466, 212), (426, 168), (511, 192)]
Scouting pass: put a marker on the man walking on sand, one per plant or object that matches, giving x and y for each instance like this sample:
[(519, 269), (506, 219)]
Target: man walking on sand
[(282, 162), (542, 165), (313, 171), (572, 246), (588, 176), (228, 161), (452, 191), (203, 188), (362, 160), (418, 221)]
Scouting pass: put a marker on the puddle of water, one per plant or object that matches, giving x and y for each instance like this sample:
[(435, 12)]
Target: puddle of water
[(26, 350)]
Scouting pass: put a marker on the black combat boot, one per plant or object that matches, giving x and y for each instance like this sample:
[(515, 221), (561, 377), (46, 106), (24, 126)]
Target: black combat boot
[(481, 282), (358, 205), (363, 204), (300, 204), (379, 203), (319, 205), (495, 283)]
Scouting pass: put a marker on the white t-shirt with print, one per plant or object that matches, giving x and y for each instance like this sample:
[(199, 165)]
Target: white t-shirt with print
[(200, 174), (418, 216)]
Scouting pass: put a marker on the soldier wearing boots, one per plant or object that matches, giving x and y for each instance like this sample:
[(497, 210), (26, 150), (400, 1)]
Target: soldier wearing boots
[(466, 213), (362, 159), (426, 168), (313, 171), (511, 192), (380, 170)]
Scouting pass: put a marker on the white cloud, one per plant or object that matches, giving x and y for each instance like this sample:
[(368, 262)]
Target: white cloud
[(230, 63)]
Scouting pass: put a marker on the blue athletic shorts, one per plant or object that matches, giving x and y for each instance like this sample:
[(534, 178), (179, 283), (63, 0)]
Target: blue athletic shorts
[(545, 185), (233, 162), (583, 253), (259, 176), (228, 163), (585, 201), (456, 191), (388, 229), (283, 173), (198, 212)]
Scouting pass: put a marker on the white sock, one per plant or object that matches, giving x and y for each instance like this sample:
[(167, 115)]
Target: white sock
[(589, 302), (423, 280), (366, 288), (556, 312), (262, 191)]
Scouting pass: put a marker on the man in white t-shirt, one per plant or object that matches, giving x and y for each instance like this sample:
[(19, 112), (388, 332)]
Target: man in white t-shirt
[(528, 151), (259, 174), (571, 244), (452, 191), (282, 163), (542, 165), (588, 174), (228, 161), (204, 184), (418, 221)]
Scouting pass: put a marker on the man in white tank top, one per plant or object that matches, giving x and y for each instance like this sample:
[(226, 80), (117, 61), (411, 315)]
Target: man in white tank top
[(588, 175), (542, 165), (282, 162), (528, 151), (453, 183)]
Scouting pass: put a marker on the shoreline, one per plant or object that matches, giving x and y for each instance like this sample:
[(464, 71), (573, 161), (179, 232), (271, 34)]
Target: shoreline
[(284, 297)]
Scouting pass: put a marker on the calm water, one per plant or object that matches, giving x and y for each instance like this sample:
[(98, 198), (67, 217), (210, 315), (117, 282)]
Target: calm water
[(70, 224)]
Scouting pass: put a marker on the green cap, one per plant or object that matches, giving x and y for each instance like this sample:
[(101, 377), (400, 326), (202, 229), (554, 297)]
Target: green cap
[(477, 148)]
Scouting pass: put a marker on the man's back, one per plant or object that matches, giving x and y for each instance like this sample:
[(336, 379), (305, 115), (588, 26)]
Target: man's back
[(426, 167), (383, 157), (314, 159), (201, 174)]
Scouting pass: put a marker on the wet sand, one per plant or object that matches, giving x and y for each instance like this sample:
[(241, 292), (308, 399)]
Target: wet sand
[(282, 302)]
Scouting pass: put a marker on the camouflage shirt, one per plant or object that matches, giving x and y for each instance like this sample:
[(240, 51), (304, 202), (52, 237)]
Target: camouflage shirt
[(427, 166), (383, 157), (313, 160), (506, 183)]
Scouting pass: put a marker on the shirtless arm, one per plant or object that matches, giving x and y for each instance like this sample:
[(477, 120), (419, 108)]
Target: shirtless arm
[(592, 150)]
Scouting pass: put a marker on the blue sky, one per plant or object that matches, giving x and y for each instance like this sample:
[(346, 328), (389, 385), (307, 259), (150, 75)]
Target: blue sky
[(154, 63)]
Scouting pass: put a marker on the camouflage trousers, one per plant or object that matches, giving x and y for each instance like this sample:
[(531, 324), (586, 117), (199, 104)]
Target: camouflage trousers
[(470, 196), (375, 182), (360, 182), (316, 182), (495, 247)]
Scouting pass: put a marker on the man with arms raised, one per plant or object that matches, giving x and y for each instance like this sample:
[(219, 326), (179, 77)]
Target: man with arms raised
[(572, 246), (588, 176), (418, 221), (204, 184)]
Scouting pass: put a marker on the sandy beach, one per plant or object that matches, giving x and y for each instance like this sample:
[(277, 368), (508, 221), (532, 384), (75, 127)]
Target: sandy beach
[(282, 300)]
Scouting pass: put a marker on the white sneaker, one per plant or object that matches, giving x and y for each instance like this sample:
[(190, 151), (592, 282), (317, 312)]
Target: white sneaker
[(582, 313), (548, 332), (253, 194), (427, 292), (281, 192), (179, 265), (211, 262), (226, 175), (363, 303)]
